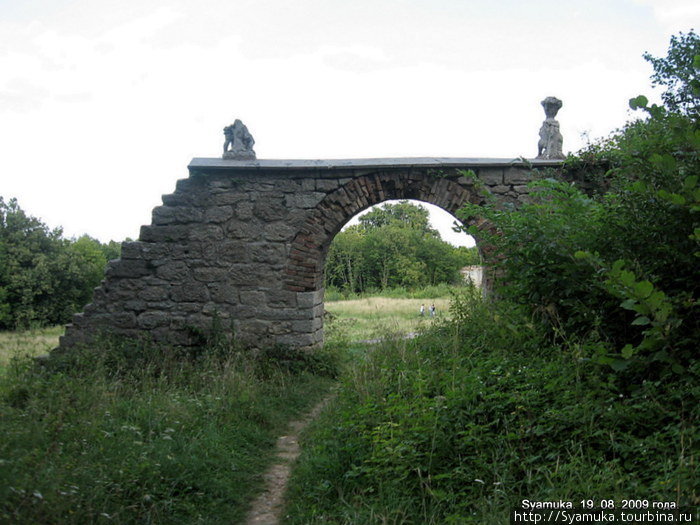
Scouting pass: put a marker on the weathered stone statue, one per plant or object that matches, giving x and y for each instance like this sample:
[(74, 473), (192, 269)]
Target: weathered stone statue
[(551, 141), (240, 140)]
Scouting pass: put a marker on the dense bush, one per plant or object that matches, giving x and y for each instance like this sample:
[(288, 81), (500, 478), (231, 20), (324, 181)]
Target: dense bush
[(45, 278), (619, 265), (460, 424)]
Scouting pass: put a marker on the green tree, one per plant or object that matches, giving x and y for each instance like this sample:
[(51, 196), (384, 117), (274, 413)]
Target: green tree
[(344, 262), (679, 73), (394, 245), (44, 278), (619, 267), (402, 214)]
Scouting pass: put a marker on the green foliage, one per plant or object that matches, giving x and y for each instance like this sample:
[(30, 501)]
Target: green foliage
[(458, 425), (45, 278), (619, 267), (403, 215), (126, 433), (679, 73), (393, 246)]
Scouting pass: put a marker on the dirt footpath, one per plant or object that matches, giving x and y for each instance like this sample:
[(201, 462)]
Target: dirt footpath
[(267, 508)]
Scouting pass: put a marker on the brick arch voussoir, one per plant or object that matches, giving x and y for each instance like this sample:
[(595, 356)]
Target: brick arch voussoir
[(304, 269)]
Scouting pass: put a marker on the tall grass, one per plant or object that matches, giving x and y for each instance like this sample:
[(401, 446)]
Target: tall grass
[(125, 434), (459, 424), (30, 343)]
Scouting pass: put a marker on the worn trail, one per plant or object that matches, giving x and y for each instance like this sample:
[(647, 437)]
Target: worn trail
[(267, 507)]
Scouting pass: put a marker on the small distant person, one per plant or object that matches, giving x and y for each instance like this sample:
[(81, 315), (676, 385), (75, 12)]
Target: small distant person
[(422, 310), (432, 310)]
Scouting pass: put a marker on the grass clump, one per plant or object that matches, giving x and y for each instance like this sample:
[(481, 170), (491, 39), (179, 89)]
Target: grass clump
[(138, 434), (461, 423)]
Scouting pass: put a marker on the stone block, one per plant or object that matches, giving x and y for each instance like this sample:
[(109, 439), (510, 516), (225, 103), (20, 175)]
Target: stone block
[(306, 299), (244, 210), (297, 340), (521, 189), (155, 251), (253, 298), (123, 320), (228, 198), (249, 230), (303, 327), (282, 314), (270, 253), (149, 320), (517, 176), (209, 275), (164, 233), (212, 309), (199, 320), (304, 200), (279, 231), (176, 199), (246, 274), (190, 292), (223, 293), (326, 185), (176, 215), (161, 305), (281, 298), (268, 208), (205, 233), (233, 251), (218, 214), (281, 328), (174, 272), (491, 176), (127, 268), (187, 250), (135, 305), (154, 293), (131, 250)]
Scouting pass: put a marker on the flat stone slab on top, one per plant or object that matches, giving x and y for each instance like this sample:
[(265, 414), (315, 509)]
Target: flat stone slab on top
[(391, 162)]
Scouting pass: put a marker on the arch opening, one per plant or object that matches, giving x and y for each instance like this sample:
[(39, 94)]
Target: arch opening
[(305, 270)]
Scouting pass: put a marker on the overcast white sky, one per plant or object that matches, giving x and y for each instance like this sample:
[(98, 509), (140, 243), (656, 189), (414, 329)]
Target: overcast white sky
[(104, 102)]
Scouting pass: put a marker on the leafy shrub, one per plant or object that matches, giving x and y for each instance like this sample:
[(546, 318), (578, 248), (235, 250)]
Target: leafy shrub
[(618, 265), (458, 425)]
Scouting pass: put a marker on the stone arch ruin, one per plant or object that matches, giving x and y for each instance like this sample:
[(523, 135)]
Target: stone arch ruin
[(245, 241)]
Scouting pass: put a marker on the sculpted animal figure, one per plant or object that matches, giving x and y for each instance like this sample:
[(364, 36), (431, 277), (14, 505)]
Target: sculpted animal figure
[(240, 141)]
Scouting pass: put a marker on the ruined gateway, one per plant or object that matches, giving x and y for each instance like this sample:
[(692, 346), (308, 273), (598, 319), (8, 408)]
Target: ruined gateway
[(245, 241)]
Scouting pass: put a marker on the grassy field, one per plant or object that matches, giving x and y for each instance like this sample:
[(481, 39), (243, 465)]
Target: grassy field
[(28, 343), (125, 434), (375, 317)]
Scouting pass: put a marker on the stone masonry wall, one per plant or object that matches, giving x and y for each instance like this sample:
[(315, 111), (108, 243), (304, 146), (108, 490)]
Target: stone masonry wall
[(246, 242)]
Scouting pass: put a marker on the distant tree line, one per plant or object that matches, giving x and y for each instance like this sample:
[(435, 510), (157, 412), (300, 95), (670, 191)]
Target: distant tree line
[(44, 277), (394, 245)]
